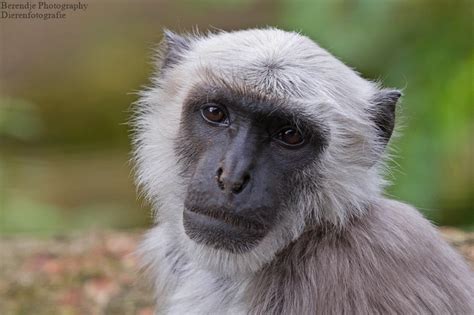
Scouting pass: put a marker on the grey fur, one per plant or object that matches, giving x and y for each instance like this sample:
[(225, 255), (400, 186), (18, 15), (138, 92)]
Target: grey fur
[(391, 261), (341, 247)]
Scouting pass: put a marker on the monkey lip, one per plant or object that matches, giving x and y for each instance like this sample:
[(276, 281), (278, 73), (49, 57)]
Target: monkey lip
[(220, 234), (224, 217)]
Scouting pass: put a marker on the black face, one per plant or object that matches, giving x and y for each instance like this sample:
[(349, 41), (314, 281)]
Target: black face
[(239, 154)]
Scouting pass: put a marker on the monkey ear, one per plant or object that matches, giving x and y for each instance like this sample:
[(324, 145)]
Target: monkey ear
[(384, 105), (173, 48)]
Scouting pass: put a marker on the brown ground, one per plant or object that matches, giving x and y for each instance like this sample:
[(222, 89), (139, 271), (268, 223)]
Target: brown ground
[(94, 273)]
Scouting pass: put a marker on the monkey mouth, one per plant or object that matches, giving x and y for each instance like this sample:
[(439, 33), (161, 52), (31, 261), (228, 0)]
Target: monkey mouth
[(222, 230), (231, 219)]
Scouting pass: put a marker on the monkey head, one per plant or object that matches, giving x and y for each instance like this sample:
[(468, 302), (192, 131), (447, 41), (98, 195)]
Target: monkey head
[(246, 139)]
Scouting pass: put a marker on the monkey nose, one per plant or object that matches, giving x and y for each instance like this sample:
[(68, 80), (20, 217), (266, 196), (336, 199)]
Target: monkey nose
[(229, 183)]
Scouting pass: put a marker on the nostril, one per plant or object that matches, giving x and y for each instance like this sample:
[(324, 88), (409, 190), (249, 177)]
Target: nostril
[(219, 172), (220, 182), (246, 179)]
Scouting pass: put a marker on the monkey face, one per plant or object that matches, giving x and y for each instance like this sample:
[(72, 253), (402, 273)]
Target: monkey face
[(246, 139), (239, 154)]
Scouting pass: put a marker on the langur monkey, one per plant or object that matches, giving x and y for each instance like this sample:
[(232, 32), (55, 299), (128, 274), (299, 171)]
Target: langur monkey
[(263, 158)]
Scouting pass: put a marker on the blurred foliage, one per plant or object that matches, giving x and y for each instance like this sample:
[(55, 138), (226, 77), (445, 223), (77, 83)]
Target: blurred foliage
[(66, 89)]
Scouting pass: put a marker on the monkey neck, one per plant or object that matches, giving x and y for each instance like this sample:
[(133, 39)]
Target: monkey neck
[(296, 266)]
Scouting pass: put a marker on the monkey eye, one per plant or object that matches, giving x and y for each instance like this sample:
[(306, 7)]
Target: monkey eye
[(214, 115), (290, 137)]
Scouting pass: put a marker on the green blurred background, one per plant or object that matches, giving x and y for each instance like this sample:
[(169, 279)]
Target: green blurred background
[(67, 86)]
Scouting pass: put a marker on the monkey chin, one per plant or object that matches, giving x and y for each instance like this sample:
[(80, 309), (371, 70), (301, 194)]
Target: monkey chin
[(252, 255), (222, 233)]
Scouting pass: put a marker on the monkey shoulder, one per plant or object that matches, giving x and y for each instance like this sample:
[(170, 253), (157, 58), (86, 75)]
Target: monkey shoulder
[(396, 251), (394, 257), (397, 259), (390, 261)]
